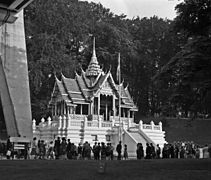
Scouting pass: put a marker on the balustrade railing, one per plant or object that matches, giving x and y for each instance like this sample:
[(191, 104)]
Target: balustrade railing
[(146, 126), (77, 116), (106, 124), (92, 124), (54, 123), (123, 119), (81, 121), (76, 123), (96, 117), (150, 126), (156, 127)]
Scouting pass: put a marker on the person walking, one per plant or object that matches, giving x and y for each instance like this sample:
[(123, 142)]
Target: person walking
[(34, 148), (57, 147), (80, 149), (103, 151), (95, 151), (125, 152), (51, 154), (69, 156), (63, 148), (158, 151), (9, 148), (148, 151), (140, 151), (119, 150)]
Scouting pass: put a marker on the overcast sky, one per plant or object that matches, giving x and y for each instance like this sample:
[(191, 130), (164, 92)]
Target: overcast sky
[(141, 8)]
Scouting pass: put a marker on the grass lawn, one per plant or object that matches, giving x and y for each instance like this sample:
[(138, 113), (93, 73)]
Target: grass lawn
[(170, 169)]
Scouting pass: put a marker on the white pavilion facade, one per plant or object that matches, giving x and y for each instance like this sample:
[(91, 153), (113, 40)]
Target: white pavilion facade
[(86, 108)]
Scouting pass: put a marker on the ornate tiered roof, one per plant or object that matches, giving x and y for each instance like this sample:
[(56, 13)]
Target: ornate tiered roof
[(81, 90), (94, 67)]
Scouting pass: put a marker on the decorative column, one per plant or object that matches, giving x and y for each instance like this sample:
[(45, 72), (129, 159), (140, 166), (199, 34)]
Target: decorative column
[(42, 122), (68, 121), (60, 126), (64, 119), (128, 113), (81, 110), (100, 122), (55, 113), (49, 121), (133, 115), (60, 122), (85, 122), (91, 107), (113, 122), (58, 109), (140, 125), (129, 124), (68, 110), (62, 107), (74, 109), (98, 108), (34, 125), (161, 124), (152, 125), (106, 109), (114, 109), (65, 108)]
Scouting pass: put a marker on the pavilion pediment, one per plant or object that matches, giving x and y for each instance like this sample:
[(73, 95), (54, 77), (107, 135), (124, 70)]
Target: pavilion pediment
[(106, 86), (107, 89)]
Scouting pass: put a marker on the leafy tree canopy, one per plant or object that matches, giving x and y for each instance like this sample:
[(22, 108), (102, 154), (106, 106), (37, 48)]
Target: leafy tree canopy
[(58, 36), (187, 75), (194, 17)]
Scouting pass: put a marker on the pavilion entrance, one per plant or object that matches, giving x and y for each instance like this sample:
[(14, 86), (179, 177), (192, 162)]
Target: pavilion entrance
[(106, 106)]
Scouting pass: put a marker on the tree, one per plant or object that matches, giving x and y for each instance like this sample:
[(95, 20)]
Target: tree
[(187, 75), (152, 36), (58, 41), (194, 17)]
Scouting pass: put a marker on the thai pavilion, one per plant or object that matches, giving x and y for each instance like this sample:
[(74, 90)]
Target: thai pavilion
[(86, 108)]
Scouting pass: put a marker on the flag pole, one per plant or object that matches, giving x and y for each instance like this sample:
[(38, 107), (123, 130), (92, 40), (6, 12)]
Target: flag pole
[(119, 81)]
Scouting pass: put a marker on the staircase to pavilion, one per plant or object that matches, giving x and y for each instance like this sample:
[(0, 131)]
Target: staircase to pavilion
[(132, 137), (135, 135)]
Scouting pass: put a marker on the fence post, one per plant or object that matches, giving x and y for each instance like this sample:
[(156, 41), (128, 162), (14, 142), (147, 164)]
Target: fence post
[(141, 125), (68, 121), (100, 122), (161, 124), (49, 121), (64, 119), (33, 124), (42, 122), (129, 123), (152, 124), (85, 122)]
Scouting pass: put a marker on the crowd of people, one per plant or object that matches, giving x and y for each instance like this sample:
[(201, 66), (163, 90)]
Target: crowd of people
[(186, 150), (65, 149)]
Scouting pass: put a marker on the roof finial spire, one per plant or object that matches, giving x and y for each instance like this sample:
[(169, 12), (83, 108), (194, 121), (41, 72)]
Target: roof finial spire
[(94, 67), (94, 52), (94, 57)]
